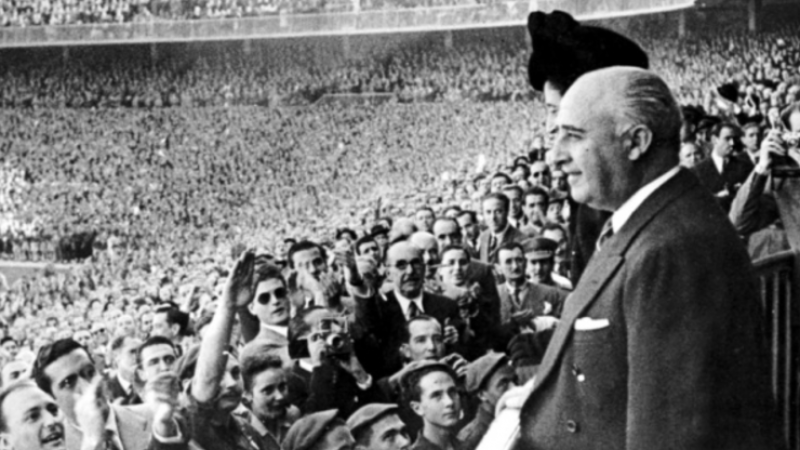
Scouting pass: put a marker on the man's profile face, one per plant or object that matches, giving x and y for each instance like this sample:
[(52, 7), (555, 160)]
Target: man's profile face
[(271, 304), (33, 420), (447, 233), (454, 266), (425, 341), (126, 358), (725, 142), (161, 326), (389, 433), (310, 261), (156, 359), (440, 403), (589, 147), (552, 100), (69, 377), (269, 394), (512, 264), (501, 381), (515, 201), (146, 323), (468, 226), (495, 214)]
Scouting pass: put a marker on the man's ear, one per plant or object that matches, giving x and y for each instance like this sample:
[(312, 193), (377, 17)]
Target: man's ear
[(416, 407), (640, 139), (251, 307), (405, 351)]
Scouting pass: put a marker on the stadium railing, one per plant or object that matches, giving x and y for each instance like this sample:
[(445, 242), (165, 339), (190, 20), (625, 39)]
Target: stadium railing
[(779, 277), (494, 14)]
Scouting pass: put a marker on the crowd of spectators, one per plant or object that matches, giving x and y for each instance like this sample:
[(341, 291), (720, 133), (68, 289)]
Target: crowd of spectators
[(188, 214)]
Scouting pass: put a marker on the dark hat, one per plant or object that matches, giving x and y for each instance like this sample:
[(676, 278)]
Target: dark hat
[(692, 113), (416, 366), (748, 120), (563, 49), (308, 430), (481, 369), (378, 230), (368, 414), (539, 248), (729, 91)]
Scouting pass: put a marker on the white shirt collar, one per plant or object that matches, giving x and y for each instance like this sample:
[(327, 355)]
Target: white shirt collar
[(718, 161), (500, 235), (126, 385), (283, 331), (624, 212), (405, 302)]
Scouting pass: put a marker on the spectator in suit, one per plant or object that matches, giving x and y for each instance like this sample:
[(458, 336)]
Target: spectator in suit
[(155, 356), (172, 323), (540, 175), (540, 255), (120, 383), (561, 263), (722, 173), (470, 230), (487, 378), (515, 216), (368, 246), (608, 377), (431, 390), (751, 139), (378, 426), (385, 319), (495, 213), (524, 306)]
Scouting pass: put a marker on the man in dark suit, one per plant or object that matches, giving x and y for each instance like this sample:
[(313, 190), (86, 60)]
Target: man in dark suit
[(120, 382), (499, 231), (636, 363), (385, 319), (722, 173)]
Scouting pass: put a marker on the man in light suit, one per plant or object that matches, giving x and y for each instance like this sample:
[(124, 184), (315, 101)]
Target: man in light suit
[(636, 363), (495, 213), (66, 371)]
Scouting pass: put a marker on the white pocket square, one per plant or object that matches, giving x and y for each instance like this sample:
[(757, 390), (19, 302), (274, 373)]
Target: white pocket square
[(589, 324)]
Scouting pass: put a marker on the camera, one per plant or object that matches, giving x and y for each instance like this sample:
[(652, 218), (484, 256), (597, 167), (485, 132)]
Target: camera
[(335, 333)]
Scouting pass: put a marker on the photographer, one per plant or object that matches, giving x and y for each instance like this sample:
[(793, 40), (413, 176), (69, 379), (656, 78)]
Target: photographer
[(754, 212)]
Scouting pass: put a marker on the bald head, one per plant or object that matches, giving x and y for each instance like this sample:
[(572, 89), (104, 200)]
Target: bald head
[(629, 137)]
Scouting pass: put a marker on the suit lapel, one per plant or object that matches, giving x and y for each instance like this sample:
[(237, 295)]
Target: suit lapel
[(133, 429), (604, 264)]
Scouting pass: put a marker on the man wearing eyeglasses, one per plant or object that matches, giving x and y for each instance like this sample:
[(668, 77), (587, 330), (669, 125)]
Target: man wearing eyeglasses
[(386, 319), (66, 371)]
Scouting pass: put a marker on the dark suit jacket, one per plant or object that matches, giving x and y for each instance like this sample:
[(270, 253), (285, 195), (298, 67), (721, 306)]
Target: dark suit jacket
[(511, 235), (116, 393), (384, 321), (482, 274), (536, 297), (736, 173), (676, 357)]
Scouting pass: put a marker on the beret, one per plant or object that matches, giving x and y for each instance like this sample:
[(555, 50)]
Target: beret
[(368, 414), (481, 369), (563, 49), (539, 248), (308, 430)]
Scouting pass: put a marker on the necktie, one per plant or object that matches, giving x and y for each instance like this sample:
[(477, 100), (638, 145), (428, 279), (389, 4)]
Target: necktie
[(413, 310), (605, 234), (110, 441)]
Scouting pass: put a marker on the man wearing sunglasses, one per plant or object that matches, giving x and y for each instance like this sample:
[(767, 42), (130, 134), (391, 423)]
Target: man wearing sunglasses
[(271, 308)]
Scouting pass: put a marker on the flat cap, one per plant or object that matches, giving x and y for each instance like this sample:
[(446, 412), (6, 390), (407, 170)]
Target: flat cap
[(539, 248), (563, 49), (416, 366), (368, 414), (308, 430), (482, 368)]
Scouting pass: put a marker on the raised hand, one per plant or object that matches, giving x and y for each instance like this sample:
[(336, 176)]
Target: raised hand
[(239, 287), (161, 395)]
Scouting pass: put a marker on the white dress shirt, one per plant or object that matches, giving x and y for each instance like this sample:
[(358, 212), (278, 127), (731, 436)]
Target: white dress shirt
[(624, 212), (405, 303)]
